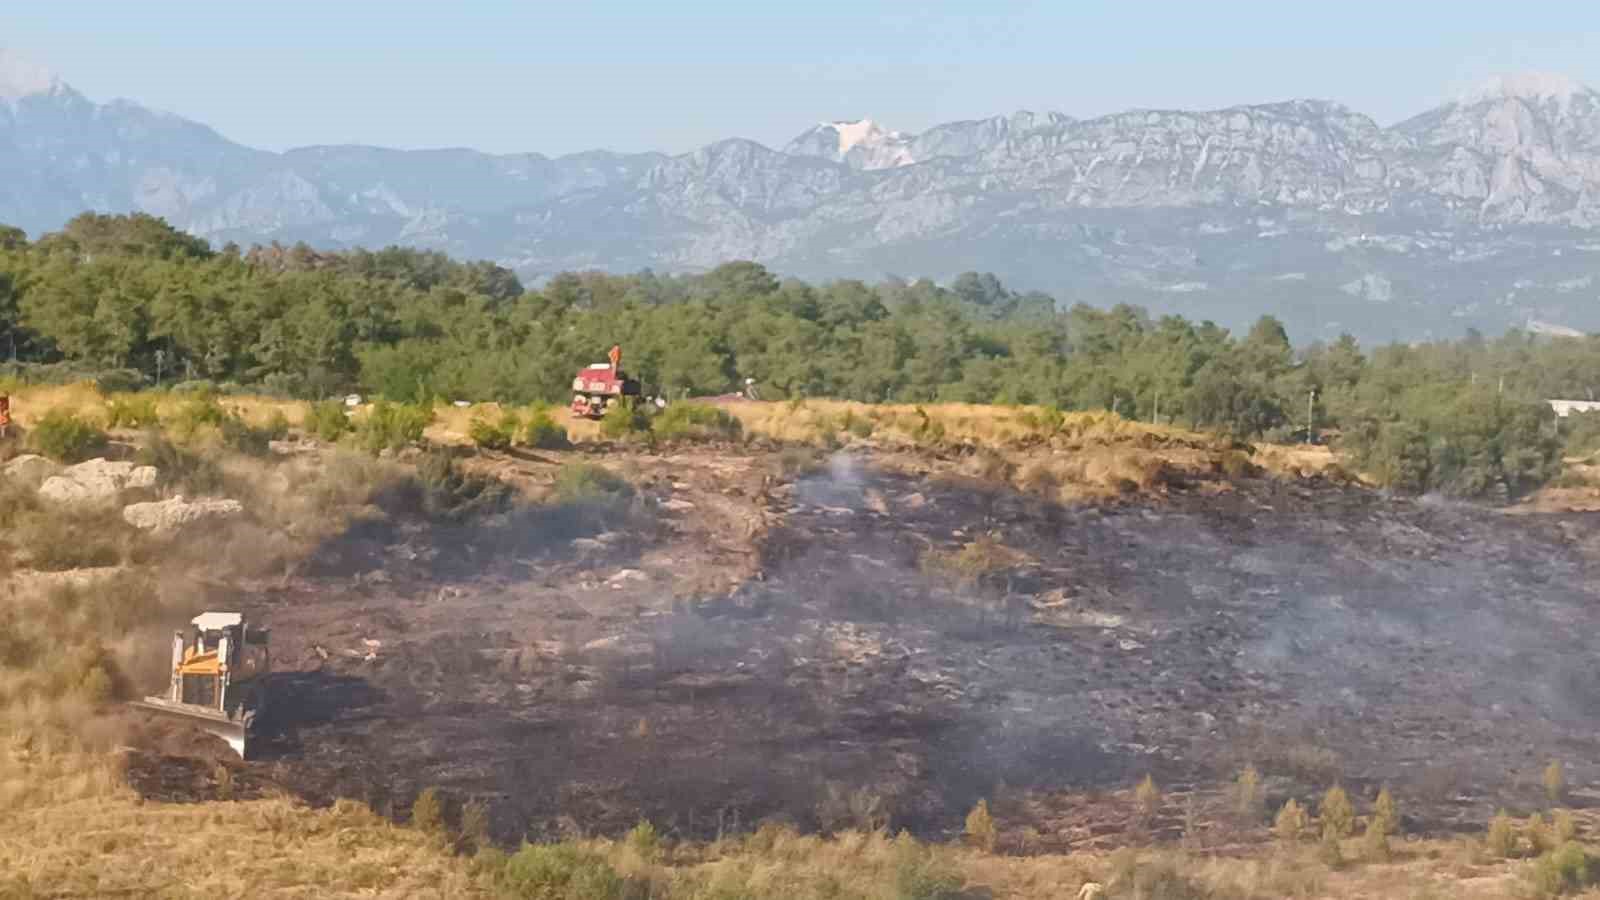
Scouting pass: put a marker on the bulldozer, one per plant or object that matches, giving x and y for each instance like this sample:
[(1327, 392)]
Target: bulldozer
[(220, 671)]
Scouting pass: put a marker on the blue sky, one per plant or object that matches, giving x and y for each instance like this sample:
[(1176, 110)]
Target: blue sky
[(675, 74)]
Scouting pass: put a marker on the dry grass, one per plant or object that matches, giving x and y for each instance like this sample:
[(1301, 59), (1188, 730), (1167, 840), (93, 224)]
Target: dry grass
[(73, 830), (29, 404)]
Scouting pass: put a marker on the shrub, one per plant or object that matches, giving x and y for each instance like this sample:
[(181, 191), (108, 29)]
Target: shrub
[(696, 421), (1247, 795), (1385, 811), (1563, 871), (391, 426), (65, 437), (1146, 800), (920, 875), (543, 433), (1538, 835), (1329, 850), (589, 484), (56, 539), (980, 828), (861, 809), (197, 413), (427, 813), (645, 841), (131, 411), (625, 420), (327, 420), (277, 427), (195, 473), (495, 435), (244, 437), (1555, 782), (1501, 840), (1160, 878), (1563, 827), (1337, 814), (1291, 821), (475, 824), (561, 872), (447, 492), (1375, 841)]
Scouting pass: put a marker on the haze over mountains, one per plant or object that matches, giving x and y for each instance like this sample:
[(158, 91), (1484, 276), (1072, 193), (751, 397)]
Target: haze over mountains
[(1484, 212)]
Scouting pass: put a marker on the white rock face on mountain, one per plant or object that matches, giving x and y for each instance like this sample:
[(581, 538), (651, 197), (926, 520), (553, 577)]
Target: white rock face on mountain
[(21, 77), (862, 144), (1462, 203)]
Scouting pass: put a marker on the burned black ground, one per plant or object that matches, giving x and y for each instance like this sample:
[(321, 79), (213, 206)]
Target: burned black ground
[(736, 650)]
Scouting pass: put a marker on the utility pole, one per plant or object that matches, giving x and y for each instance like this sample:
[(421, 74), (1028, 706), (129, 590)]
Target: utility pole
[(1155, 415), (1502, 389), (161, 357), (1311, 398)]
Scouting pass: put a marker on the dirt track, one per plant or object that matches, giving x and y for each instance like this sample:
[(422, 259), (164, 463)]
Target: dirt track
[(739, 644)]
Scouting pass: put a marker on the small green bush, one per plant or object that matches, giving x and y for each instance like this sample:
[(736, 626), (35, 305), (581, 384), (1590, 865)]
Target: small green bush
[(495, 435), (645, 841), (1563, 827), (696, 422), (327, 420), (1538, 835), (1563, 871), (561, 872), (1146, 800), (588, 484), (919, 874), (65, 437), (475, 825), (244, 437), (1501, 840), (1337, 813), (1291, 821), (980, 829), (392, 426), (544, 433), (1386, 811), (196, 474), (1375, 841), (455, 495), (277, 427), (1555, 782), (131, 411), (626, 420), (427, 813), (199, 412), (1247, 795)]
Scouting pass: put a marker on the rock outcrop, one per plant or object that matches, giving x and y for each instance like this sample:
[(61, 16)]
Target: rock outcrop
[(167, 516), (29, 470), (96, 482)]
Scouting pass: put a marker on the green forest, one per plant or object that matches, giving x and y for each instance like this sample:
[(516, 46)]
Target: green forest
[(129, 300)]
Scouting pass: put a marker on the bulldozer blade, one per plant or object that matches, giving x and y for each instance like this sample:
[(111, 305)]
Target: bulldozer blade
[(207, 719)]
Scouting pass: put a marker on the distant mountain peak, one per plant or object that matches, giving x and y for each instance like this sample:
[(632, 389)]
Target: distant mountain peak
[(1536, 87), (861, 131), (21, 77)]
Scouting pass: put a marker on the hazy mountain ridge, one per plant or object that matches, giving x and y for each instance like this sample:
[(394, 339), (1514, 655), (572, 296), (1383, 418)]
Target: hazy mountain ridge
[(1458, 216)]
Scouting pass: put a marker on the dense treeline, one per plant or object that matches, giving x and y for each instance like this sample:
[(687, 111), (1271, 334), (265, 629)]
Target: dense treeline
[(130, 293)]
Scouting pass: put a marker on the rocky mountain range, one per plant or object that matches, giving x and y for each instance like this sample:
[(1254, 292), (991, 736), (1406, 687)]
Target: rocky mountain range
[(1483, 212)]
